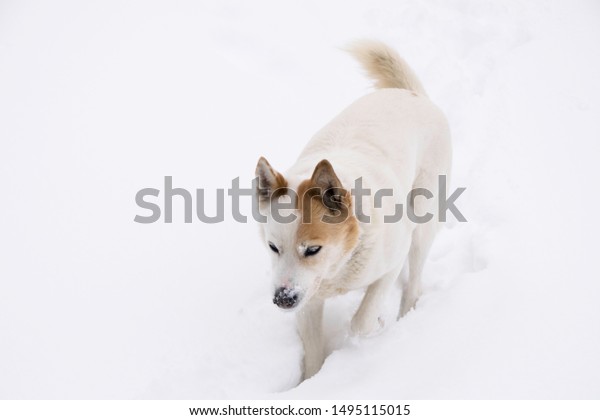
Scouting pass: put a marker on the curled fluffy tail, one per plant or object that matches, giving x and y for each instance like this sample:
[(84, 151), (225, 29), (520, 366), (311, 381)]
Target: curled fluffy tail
[(385, 66)]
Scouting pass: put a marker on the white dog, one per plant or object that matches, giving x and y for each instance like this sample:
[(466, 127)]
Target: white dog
[(394, 141)]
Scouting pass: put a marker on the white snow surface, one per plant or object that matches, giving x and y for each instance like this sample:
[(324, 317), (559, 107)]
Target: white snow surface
[(101, 99)]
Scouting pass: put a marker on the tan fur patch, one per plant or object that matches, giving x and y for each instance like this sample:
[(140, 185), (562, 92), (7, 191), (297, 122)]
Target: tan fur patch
[(324, 206), (322, 225)]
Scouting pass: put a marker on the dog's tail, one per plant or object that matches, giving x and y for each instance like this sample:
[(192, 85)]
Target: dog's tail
[(385, 66)]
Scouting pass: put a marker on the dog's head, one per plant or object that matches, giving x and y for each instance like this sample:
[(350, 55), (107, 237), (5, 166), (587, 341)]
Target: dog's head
[(310, 231)]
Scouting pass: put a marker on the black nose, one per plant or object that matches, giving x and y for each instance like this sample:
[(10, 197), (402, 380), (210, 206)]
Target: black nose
[(285, 298)]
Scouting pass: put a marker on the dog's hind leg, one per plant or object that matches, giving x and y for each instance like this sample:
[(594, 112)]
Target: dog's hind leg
[(422, 238), (310, 328)]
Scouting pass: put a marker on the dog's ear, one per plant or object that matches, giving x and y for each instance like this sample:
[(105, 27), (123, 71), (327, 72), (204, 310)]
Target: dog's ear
[(269, 180), (335, 197)]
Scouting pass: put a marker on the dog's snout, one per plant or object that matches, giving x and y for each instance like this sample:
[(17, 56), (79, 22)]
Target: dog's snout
[(286, 298)]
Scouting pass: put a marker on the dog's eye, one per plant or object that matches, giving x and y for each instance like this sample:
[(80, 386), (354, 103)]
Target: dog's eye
[(273, 248), (312, 250)]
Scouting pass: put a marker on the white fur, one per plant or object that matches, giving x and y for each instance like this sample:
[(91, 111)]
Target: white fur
[(394, 137)]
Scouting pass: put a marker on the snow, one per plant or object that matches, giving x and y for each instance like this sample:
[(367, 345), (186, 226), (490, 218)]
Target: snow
[(100, 100)]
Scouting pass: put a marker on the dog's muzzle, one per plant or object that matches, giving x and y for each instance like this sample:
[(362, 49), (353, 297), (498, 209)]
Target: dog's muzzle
[(286, 298)]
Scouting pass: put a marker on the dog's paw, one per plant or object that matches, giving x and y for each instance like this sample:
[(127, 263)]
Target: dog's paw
[(408, 304), (366, 327)]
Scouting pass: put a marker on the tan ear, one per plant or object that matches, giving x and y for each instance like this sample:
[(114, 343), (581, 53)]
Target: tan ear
[(324, 176), (269, 180), (333, 193)]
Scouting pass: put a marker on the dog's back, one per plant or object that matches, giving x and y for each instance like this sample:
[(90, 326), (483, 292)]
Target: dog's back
[(395, 128)]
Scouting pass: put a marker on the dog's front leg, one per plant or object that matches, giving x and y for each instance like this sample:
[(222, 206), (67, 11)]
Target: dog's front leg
[(367, 319), (310, 328)]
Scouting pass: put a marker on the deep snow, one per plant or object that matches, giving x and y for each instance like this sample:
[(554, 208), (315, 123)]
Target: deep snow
[(100, 100)]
